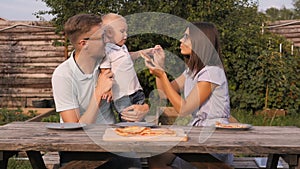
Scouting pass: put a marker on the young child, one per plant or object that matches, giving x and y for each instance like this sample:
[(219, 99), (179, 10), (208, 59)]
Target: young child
[(126, 90)]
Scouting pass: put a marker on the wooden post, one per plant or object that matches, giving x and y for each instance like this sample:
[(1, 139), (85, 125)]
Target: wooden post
[(266, 99), (280, 48)]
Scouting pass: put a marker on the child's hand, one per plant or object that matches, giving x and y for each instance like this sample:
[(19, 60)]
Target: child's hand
[(149, 51)]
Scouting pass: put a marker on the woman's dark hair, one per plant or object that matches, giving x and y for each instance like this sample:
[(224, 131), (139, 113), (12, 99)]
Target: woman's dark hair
[(206, 49)]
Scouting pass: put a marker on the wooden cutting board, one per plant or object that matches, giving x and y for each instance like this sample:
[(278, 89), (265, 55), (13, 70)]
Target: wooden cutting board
[(110, 135)]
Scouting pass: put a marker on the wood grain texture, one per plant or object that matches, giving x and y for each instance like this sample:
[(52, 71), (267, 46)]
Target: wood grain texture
[(26, 136), (286, 28), (28, 58)]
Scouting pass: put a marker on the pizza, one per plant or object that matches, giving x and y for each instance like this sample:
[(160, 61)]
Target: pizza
[(144, 131), (146, 57), (130, 130), (231, 125)]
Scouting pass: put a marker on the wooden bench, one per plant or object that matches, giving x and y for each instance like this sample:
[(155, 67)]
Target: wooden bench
[(249, 163), (244, 163), (51, 160)]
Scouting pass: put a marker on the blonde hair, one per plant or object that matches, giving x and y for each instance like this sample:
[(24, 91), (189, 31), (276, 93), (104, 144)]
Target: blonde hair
[(111, 17)]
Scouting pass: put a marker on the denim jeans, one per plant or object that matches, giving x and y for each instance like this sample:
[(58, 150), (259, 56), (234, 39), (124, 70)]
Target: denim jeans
[(136, 98)]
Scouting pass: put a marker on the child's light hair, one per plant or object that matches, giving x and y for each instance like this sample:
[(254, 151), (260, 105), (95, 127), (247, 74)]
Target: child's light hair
[(111, 17)]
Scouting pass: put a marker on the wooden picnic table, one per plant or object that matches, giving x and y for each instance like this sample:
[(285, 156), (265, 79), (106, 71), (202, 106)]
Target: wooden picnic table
[(34, 138)]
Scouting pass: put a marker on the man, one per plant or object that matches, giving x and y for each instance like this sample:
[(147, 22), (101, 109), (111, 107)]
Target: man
[(77, 88), (78, 85)]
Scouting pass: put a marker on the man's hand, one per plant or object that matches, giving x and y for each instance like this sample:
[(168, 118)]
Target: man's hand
[(104, 84), (107, 96)]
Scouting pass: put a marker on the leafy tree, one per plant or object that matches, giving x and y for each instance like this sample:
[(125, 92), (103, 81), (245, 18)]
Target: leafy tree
[(296, 4), (280, 14), (258, 75)]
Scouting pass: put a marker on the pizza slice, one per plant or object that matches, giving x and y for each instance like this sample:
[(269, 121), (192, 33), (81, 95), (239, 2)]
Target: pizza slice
[(130, 130), (158, 132), (147, 59), (144, 131)]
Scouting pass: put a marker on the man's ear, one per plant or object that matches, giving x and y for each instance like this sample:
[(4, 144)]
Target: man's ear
[(82, 43)]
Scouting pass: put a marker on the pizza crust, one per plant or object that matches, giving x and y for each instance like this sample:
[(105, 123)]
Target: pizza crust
[(144, 131)]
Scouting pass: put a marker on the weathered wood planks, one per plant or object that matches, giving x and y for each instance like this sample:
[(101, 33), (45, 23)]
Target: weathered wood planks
[(28, 58), (287, 28)]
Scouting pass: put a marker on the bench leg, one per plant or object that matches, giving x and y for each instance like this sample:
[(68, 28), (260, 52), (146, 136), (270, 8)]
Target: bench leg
[(293, 160), (204, 161), (272, 161), (4, 156), (36, 160)]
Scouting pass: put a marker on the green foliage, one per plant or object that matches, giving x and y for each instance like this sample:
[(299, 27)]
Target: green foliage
[(14, 163), (297, 8), (52, 118), (275, 14), (10, 115), (280, 14), (261, 120), (259, 77)]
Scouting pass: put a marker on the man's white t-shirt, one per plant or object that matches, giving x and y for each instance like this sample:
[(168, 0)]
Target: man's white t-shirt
[(74, 89)]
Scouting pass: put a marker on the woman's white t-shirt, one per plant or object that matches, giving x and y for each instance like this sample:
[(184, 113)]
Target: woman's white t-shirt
[(217, 106)]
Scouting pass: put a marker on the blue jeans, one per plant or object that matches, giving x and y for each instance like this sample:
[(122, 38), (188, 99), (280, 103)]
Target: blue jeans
[(136, 98)]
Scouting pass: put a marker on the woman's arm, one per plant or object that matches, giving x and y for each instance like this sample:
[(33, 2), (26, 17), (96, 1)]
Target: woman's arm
[(199, 94), (176, 84)]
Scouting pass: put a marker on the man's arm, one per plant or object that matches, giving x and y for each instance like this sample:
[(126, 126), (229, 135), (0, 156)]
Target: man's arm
[(104, 84)]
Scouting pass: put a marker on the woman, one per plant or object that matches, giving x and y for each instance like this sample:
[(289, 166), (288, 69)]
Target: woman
[(203, 82)]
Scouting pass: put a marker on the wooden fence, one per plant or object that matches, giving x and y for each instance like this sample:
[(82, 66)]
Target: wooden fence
[(287, 28), (27, 60)]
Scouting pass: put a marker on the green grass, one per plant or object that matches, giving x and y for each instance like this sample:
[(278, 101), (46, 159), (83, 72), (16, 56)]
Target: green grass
[(261, 120), (15, 163)]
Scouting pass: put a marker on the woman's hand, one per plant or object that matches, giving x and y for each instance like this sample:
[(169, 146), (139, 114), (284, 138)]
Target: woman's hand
[(156, 66), (154, 70), (135, 112), (159, 56)]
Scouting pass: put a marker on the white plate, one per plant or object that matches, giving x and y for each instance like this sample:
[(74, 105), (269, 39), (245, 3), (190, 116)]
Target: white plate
[(141, 124), (235, 126), (64, 126)]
